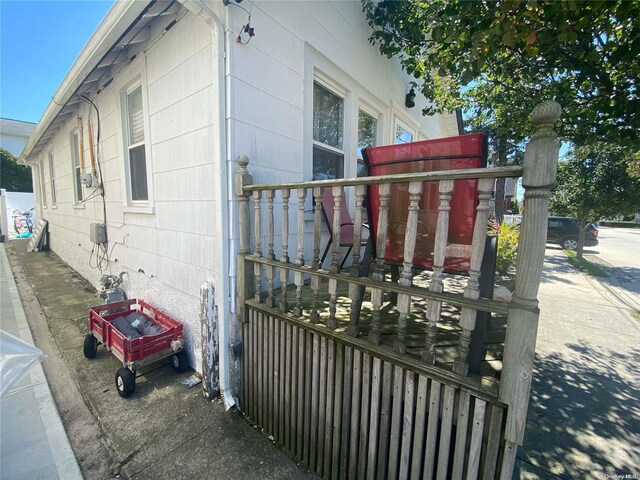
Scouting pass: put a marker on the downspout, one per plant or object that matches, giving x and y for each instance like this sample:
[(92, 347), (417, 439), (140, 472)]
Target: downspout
[(225, 293)]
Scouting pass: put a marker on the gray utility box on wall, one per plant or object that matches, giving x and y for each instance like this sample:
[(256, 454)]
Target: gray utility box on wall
[(97, 233)]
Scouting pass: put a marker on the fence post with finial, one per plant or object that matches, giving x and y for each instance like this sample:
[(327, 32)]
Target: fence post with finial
[(245, 274)]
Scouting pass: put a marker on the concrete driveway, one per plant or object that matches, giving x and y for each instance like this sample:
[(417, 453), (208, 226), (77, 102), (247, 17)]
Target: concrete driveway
[(584, 413)]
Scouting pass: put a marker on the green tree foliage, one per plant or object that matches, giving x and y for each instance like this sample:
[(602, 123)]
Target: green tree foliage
[(14, 177), (593, 183), (502, 57)]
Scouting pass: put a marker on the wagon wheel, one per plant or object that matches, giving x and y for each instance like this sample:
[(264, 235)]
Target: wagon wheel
[(180, 362), (125, 382), (90, 346)]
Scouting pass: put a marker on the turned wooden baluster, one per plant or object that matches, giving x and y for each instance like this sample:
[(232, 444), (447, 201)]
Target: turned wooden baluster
[(271, 271), (315, 263), (332, 322), (405, 280), (384, 191), (356, 292), (472, 290), (434, 307), (299, 276), (257, 275), (284, 273)]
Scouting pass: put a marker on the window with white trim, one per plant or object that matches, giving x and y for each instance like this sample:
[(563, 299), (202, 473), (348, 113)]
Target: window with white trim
[(43, 185), (367, 132), (328, 133), (135, 145), (75, 166), (402, 133), (52, 181)]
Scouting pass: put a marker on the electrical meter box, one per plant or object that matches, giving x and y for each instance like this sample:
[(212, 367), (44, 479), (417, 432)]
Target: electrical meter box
[(97, 233)]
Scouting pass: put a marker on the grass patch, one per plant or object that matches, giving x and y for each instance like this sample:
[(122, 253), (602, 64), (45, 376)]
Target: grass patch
[(585, 266), (636, 315)]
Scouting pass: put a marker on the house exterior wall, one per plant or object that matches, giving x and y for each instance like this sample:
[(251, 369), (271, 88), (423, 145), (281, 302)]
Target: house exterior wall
[(166, 246)]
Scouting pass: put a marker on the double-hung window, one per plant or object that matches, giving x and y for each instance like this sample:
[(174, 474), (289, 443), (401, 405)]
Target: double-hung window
[(135, 145), (43, 185), (52, 181), (75, 164), (328, 133), (402, 133)]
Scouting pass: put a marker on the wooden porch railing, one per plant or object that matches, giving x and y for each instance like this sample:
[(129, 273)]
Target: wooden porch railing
[(254, 265)]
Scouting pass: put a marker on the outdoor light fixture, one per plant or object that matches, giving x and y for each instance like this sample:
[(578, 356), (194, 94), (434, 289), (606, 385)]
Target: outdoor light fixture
[(410, 99)]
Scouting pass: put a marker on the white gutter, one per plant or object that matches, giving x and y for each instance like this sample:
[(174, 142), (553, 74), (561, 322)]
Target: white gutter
[(225, 251), (118, 19)]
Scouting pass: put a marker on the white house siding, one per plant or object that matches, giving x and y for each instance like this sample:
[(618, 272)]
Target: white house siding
[(272, 99), (167, 250)]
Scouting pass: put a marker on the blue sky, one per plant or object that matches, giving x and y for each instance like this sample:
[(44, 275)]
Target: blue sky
[(39, 41)]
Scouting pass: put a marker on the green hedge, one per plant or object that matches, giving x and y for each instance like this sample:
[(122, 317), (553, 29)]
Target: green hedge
[(618, 224)]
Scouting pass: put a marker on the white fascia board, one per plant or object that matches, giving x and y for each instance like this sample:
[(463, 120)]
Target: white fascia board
[(118, 19)]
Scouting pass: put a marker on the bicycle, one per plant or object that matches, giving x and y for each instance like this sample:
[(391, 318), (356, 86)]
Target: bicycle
[(23, 220)]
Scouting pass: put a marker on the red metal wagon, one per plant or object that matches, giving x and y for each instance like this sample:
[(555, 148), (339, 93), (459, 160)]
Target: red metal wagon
[(134, 352)]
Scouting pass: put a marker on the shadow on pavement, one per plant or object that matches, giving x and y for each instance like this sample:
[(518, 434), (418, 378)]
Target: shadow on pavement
[(584, 415)]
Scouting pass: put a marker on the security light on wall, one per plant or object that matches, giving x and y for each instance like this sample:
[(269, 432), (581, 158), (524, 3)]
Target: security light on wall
[(410, 99)]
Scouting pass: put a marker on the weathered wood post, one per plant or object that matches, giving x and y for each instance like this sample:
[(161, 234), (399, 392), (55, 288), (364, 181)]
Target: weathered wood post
[(245, 273), (538, 178)]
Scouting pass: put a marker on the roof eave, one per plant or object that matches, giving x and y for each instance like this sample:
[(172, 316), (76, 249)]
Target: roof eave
[(118, 19)]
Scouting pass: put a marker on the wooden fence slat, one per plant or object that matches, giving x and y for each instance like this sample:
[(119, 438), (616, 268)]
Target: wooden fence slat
[(475, 445), (322, 408), (462, 426), (508, 460), (309, 379), (445, 432), (493, 443), (363, 446), (287, 387), (374, 415), (418, 435), (385, 419), (337, 410), (432, 431), (347, 407), (328, 429), (315, 384), (270, 377), (356, 391), (396, 422), (301, 389), (293, 361), (260, 417), (284, 378), (407, 425), (253, 372), (277, 381)]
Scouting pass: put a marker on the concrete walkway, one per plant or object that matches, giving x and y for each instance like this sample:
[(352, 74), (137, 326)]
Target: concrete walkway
[(33, 442), (584, 413), (165, 431)]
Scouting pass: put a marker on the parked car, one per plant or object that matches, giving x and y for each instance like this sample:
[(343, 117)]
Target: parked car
[(564, 232)]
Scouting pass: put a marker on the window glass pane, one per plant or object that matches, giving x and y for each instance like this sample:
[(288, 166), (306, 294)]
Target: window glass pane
[(367, 125), (327, 116), (136, 121), (75, 154), (43, 185), (78, 179), (327, 165), (402, 135), (138, 169), (52, 176)]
